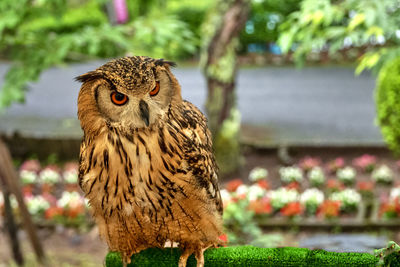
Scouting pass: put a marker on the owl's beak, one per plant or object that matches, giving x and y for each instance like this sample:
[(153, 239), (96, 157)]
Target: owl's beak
[(144, 111)]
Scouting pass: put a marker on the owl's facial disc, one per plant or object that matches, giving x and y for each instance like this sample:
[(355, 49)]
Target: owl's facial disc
[(132, 109)]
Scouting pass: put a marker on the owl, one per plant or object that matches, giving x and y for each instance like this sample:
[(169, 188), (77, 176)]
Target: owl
[(146, 161)]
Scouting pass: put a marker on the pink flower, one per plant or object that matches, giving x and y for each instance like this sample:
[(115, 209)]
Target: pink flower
[(335, 164), (365, 163), (32, 165), (121, 11), (308, 163), (71, 166)]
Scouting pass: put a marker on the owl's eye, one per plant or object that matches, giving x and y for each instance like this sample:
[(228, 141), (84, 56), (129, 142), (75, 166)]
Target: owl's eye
[(156, 89), (118, 98)]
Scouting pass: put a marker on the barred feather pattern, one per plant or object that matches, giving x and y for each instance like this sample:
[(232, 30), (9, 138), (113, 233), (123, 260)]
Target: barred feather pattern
[(155, 184)]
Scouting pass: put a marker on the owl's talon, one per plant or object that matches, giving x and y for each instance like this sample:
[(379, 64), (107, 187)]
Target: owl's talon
[(184, 257), (200, 257)]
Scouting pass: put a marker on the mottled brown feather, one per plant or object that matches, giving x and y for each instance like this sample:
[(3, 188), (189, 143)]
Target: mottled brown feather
[(148, 185)]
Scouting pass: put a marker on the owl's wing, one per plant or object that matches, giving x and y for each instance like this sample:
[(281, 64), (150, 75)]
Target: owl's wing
[(82, 163), (198, 152)]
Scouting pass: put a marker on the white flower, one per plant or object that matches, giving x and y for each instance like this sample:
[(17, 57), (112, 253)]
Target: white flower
[(70, 200), (225, 196), (255, 192), (316, 176), (312, 196), (382, 174), (282, 196), (291, 174), (71, 176), (28, 177), (49, 176), (349, 198), (242, 190), (37, 204), (395, 193), (258, 174), (346, 175)]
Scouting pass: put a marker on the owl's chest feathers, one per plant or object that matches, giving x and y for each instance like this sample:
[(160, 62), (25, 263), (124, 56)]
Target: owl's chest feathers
[(143, 172)]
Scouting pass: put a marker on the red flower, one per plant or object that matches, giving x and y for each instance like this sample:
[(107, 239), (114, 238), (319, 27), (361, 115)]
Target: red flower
[(308, 163), (261, 206), (291, 209), (334, 185), (293, 185), (388, 209), (27, 190), (75, 211), (232, 185), (366, 186), (329, 209), (53, 212), (396, 203), (223, 238), (263, 184)]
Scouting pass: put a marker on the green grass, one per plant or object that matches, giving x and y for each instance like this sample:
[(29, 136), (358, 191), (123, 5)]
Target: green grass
[(247, 256)]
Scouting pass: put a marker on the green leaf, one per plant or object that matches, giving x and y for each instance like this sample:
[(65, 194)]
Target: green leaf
[(358, 19), (285, 41), (368, 61)]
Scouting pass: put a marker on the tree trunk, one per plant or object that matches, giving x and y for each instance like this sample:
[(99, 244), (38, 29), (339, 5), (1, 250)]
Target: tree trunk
[(219, 63), (11, 227), (10, 181)]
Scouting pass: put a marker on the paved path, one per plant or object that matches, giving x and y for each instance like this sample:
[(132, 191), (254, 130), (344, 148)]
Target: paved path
[(325, 105), (362, 243)]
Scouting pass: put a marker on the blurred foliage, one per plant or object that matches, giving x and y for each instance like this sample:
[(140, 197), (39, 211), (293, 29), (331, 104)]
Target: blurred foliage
[(242, 229), (193, 13), (36, 35), (264, 20), (330, 25), (387, 101)]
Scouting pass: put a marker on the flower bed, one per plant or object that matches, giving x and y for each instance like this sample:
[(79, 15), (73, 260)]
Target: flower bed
[(51, 195), (361, 192)]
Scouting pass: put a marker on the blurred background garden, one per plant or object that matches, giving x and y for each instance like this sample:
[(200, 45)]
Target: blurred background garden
[(302, 98)]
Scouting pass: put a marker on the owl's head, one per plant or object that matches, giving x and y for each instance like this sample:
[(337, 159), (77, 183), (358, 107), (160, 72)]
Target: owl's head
[(130, 92)]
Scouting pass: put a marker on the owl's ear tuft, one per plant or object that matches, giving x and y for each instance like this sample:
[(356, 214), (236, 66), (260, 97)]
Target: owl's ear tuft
[(162, 62), (89, 76)]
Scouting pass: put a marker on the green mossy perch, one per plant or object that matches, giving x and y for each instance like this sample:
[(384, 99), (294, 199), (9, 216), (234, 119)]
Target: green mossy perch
[(248, 256)]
